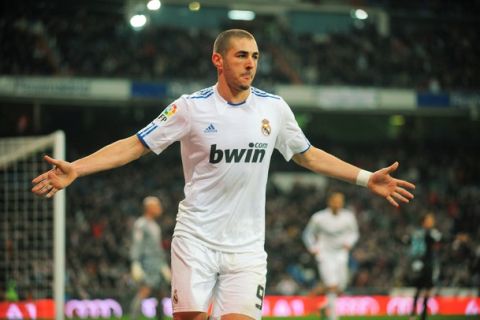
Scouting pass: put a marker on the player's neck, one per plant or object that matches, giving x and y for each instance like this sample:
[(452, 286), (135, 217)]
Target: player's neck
[(149, 216), (230, 94)]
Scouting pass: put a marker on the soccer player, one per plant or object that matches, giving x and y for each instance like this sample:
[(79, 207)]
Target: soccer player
[(149, 262), (330, 235), (227, 134), (425, 268)]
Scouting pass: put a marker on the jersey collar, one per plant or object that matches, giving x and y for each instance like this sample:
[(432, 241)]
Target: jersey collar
[(240, 104)]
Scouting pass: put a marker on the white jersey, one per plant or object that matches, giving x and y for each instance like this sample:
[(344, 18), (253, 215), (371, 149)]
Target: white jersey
[(226, 150), (328, 233)]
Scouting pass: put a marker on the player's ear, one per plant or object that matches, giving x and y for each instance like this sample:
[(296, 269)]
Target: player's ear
[(217, 60)]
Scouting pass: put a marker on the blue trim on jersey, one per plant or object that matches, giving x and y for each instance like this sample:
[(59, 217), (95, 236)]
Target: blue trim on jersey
[(263, 94), (236, 104), (309, 146), (204, 90), (142, 141), (146, 132), (200, 97), (146, 128), (202, 94)]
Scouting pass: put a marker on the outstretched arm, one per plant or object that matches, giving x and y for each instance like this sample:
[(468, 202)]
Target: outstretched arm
[(379, 182), (64, 173)]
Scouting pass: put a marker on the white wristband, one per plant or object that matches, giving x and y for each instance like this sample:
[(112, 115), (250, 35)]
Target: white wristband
[(363, 177)]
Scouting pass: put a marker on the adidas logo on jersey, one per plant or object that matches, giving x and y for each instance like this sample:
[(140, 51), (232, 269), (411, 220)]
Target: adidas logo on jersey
[(210, 129), (255, 153)]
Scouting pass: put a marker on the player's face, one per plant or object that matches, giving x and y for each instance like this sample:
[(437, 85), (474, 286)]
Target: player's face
[(429, 222), (336, 201), (240, 63), (155, 208)]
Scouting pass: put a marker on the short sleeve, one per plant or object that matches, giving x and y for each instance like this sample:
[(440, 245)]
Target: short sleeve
[(291, 139), (170, 126)]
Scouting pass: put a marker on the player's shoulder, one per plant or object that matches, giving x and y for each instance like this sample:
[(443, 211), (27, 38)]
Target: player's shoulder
[(348, 214), (265, 95), (140, 222), (321, 213), (202, 94)]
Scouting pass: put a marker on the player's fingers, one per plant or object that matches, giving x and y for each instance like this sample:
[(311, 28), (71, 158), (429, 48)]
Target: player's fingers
[(52, 192), (392, 202), (405, 184), (392, 168), (55, 181), (41, 192), (404, 193), (59, 166), (46, 188), (42, 187), (400, 197), (52, 161), (40, 178), (37, 188)]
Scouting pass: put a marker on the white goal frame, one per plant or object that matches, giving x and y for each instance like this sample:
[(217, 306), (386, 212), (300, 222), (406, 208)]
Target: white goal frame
[(19, 148)]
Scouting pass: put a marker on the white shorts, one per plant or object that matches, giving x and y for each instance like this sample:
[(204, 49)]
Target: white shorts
[(333, 268), (233, 282)]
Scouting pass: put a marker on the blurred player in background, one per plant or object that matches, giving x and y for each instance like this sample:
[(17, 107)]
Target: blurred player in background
[(424, 266), (149, 263), (330, 235), (228, 133)]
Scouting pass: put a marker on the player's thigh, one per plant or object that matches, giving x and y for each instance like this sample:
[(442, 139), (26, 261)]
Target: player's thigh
[(332, 269), (241, 286), (194, 275), (342, 275)]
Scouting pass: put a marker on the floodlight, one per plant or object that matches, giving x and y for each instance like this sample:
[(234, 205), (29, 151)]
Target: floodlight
[(241, 15), (138, 21), (153, 5), (361, 14)]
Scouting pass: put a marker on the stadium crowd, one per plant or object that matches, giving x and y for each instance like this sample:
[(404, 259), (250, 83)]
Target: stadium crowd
[(435, 57)]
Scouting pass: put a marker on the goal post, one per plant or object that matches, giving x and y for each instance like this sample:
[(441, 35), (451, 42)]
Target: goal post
[(32, 236), (59, 234)]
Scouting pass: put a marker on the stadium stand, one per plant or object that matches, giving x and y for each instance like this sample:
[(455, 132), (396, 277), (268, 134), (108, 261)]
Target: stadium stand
[(435, 57)]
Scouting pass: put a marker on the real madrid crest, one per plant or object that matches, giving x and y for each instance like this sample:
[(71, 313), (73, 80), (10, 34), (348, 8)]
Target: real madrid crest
[(175, 297), (266, 129)]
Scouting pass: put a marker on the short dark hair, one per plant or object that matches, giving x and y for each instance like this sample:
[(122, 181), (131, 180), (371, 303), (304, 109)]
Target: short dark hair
[(221, 44)]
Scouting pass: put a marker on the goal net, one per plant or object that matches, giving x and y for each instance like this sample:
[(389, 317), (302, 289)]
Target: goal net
[(32, 236)]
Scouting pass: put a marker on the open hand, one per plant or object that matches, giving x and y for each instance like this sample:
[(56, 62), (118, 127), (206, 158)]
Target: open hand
[(384, 185), (58, 178)]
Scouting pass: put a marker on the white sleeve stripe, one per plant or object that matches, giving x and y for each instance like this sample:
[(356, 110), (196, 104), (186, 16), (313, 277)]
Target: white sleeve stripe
[(146, 128), (144, 133)]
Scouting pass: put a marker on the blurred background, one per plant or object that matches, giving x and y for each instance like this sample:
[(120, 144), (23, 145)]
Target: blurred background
[(371, 81)]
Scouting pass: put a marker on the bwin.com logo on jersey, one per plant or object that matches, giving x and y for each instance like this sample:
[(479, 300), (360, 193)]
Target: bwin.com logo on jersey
[(255, 153), (210, 129)]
